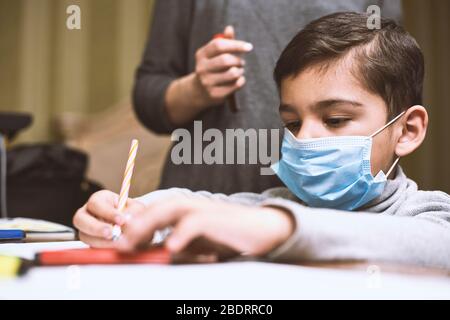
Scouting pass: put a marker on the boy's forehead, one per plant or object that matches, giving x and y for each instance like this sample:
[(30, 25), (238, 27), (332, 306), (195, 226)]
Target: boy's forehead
[(334, 81)]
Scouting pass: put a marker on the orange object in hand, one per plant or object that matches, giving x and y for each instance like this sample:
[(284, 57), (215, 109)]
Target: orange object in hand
[(220, 36)]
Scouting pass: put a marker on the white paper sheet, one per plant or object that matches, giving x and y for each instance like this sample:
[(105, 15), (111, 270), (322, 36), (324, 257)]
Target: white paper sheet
[(28, 250)]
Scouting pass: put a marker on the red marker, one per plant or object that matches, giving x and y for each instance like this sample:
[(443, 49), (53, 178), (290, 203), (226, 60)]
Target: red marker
[(102, 256), (154, 255), (231, 100)]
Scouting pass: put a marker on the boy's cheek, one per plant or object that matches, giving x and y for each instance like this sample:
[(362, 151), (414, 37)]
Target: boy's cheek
[(375, 165), (382, 154)]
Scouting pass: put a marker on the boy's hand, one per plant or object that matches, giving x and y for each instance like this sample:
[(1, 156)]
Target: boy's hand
[(96, 218), (250, 230)]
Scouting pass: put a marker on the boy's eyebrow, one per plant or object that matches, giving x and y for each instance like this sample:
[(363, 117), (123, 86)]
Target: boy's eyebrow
[(334, 102), (286, 108)]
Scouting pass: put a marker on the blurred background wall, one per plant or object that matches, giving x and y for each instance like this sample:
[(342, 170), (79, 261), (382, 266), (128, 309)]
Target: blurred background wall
[(77, 82), (429, 22), (47, 69)]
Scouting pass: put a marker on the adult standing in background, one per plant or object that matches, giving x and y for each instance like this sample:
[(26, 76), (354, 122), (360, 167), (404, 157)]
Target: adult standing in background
[(186, 76)]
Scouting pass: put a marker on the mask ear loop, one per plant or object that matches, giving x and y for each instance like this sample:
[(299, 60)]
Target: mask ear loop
[(392, 167), (388, 124), (380, 130)]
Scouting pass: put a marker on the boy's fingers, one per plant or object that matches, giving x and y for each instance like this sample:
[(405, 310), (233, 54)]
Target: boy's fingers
[(95, 242), (102, 206), (185, 231), (133, 205), (219, 46), (142, 226), (88, 224), (105, 195)]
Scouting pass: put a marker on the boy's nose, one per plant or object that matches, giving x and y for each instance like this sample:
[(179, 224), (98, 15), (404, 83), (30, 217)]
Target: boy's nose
[(309, 130)]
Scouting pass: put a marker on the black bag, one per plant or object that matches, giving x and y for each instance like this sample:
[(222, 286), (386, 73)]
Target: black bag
[(47, 182)]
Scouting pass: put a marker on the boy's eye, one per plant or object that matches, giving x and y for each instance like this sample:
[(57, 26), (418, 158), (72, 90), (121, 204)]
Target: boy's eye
[(336, 122), (293, 127)]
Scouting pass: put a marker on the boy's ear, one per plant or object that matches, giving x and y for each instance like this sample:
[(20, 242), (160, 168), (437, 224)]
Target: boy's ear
[(414, 126)]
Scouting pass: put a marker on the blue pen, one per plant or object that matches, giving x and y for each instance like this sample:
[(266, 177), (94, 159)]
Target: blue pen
[(12, 235)]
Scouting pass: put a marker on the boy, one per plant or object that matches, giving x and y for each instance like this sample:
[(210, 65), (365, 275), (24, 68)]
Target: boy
[(351, 102)]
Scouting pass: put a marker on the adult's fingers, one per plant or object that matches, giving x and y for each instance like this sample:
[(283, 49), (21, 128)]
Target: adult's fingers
[(220, 63), (229, 32), (223, 91), (218, 46), (222, 78)]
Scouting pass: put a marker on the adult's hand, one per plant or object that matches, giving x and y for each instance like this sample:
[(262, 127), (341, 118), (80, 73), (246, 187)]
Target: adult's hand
[(219, 71)]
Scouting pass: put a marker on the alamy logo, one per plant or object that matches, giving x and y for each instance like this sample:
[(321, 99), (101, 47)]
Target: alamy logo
[(73, 21), (374, 20), (234, 146)]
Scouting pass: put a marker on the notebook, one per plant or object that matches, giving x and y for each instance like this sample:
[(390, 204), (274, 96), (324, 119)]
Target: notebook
[(11, 235), (38, 230)]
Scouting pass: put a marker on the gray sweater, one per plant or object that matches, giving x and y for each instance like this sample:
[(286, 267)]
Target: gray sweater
[(180, 27), (403, 225)]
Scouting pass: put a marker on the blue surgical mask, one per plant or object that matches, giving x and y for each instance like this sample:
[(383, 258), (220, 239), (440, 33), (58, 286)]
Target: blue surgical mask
[(331, 172)]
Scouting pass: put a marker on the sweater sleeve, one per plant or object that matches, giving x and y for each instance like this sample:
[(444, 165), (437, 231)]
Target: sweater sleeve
[(164, 60), (419, 233), (243, 198)]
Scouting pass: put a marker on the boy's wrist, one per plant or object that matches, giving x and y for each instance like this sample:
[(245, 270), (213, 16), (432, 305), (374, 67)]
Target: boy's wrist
[(283, 225)]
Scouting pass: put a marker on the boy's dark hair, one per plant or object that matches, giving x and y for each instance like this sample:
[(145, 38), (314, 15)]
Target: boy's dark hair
[(388, 61)]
